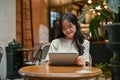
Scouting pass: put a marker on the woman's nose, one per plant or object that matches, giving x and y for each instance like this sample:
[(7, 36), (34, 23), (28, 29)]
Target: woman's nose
[(68, 29)]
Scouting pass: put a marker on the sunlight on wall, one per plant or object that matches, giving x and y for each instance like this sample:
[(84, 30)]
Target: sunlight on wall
[(7, 29)]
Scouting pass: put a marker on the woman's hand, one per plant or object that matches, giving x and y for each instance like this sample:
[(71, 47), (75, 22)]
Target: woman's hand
[(80, 61)]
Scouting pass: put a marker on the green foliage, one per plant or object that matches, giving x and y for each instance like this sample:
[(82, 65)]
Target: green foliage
[(105, 70), (82, 16), (93, 27), (111, 15), (95, 22)]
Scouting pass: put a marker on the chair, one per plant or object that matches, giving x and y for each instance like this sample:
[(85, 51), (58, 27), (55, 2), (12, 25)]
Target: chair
[(35, 54), (41, 53), (1, 54), (89, 63), (44, 51)]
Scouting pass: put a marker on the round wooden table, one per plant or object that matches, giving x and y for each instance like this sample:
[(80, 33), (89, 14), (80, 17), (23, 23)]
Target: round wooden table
[(47, 72)]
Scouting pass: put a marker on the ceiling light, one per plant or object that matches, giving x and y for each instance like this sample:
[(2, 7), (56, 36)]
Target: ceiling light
[(105, 7), (89, 1), (98, 7), (98, 13)]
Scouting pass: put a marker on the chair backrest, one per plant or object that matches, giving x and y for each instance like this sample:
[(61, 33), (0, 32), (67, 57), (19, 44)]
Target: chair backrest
[(41, 52), (37, 48), (90, 58), (89, 63), (37, 52), (44, 51), (1, 53)]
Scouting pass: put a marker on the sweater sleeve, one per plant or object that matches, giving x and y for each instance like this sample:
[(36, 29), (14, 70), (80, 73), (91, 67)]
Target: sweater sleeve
[(86, 54)]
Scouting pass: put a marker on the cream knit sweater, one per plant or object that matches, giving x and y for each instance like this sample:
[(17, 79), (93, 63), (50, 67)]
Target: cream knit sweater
[(66, 45)]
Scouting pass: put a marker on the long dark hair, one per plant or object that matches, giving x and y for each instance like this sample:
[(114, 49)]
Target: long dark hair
[(78, 37)]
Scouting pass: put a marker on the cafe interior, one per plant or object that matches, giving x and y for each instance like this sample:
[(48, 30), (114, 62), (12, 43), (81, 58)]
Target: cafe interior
[(27, 25)]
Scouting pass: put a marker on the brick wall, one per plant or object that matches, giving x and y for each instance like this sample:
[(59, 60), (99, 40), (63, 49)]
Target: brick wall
[(39, 16)]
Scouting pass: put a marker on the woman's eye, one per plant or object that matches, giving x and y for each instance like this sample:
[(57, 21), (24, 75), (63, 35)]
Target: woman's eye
[(63, 28), (70, 26)]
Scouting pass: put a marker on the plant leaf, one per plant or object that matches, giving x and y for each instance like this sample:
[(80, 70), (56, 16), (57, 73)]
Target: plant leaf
[(113, 5), (82, 16)]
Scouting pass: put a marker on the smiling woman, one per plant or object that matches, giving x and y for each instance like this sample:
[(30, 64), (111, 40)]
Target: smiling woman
[(70, 39)]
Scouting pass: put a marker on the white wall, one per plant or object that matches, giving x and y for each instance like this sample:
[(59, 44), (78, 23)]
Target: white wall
[(7, 28)]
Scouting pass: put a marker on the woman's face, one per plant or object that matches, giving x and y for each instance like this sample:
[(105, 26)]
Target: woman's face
[(68, 29)]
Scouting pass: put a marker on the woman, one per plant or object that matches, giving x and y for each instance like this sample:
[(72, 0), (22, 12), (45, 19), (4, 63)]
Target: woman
[(71, 39)]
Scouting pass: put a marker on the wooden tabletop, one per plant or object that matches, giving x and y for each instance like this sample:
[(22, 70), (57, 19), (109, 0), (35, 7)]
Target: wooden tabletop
[(46, 72)]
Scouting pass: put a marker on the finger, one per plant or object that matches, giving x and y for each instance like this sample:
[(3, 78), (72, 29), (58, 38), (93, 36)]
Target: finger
[(79, 58)]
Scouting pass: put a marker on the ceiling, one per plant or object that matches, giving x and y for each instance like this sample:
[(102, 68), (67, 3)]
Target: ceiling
[(59, 3)]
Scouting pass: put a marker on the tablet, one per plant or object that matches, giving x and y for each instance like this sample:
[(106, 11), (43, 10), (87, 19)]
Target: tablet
[(62, 59)]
